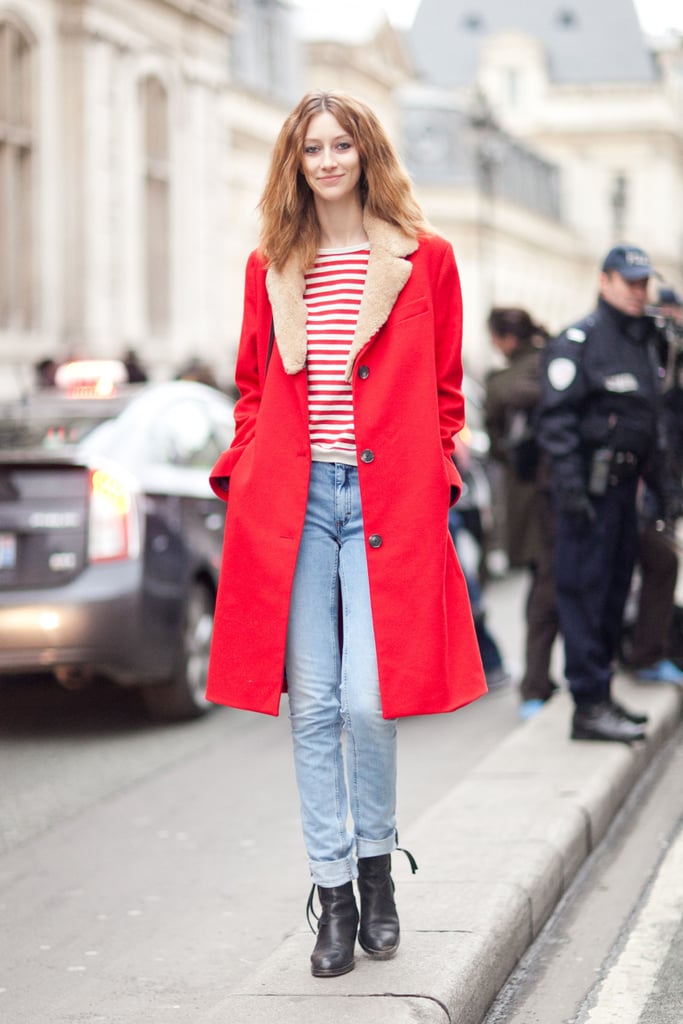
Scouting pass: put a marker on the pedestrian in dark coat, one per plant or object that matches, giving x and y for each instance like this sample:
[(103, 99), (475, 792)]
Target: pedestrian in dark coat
[(513, 396), (647, 647), (338, 569)]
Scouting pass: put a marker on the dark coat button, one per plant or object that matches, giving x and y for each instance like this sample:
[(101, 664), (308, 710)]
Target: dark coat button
[(374, 540), (367, 455), (363, 372)]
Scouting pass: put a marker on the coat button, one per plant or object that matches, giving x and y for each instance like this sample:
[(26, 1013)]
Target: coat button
[(374, 540), (367, 455), (363, 372)]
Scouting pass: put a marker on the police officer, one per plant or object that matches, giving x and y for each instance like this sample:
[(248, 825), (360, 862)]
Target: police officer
[(601, 425)]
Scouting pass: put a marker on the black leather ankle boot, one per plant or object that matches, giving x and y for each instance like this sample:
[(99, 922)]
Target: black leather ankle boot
[(379, 933), (337, 927)]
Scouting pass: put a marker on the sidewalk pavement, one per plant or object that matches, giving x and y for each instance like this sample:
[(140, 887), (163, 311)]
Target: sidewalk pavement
[(495, 856)]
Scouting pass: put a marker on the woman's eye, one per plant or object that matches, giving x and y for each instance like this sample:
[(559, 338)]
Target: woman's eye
[(310, 149), (344, 145)]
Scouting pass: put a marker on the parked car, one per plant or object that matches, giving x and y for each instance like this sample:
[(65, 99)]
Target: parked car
[(110, 536)]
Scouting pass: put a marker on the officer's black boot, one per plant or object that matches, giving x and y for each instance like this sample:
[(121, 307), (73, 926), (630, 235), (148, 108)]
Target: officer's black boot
[(337, 927), (602, 721), (379, 933), (637, 717)]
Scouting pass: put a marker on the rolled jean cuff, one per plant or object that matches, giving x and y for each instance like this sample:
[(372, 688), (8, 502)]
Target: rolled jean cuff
[(375, 847), (330, 873)]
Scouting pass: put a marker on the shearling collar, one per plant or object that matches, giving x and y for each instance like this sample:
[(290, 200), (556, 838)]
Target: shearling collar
[(388, 272)]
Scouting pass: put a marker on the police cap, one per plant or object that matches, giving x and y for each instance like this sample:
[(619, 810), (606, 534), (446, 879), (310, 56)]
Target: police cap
[(629, 261), (668, 297)]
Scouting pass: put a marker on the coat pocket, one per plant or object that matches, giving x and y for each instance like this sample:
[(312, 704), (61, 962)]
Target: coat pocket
[(409, 311)]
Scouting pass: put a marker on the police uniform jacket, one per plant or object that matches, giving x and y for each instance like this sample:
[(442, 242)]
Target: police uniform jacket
[(601, 389)]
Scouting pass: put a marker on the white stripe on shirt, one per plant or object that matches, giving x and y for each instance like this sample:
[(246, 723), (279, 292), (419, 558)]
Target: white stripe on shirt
[(333, 292)]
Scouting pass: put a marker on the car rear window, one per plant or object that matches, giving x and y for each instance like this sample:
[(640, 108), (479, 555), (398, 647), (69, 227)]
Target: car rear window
[(49, 429)]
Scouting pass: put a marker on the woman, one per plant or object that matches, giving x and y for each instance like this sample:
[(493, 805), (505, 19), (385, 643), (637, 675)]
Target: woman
[(338, 572), (512, 397)]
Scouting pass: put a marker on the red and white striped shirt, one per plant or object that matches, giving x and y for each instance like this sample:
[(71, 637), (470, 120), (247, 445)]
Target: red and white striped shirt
[(333, 293)]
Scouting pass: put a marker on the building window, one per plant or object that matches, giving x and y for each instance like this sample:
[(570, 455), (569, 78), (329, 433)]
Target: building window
[(566, 18), (157, 202), (264, 52), (17, 172), (619, 201), (472, 22)]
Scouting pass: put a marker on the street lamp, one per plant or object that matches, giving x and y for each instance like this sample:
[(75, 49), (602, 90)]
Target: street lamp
[(486, 151), (619, 200), (486, 145)]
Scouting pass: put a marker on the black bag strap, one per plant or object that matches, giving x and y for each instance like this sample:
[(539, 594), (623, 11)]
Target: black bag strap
[(271, 339)]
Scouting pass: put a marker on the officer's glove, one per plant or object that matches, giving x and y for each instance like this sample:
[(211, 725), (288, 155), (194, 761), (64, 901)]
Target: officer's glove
[(673, 507), (667, 498), (577, 505)]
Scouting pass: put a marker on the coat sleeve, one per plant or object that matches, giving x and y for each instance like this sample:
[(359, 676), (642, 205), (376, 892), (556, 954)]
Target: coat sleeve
[(509, 393), (248, 378), (448, 342), (564, 391)]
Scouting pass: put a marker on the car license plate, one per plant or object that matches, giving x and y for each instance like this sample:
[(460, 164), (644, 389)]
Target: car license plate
[(8, 551)]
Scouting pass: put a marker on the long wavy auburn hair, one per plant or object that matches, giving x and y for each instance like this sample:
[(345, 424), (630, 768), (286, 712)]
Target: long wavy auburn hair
[(288, 218)]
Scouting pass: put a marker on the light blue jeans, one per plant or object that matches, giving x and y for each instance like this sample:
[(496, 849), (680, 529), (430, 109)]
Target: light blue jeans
[(334, 688)]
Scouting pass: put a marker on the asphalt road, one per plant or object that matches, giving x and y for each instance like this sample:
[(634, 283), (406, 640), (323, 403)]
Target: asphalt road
[(613, 951), (145, 869)]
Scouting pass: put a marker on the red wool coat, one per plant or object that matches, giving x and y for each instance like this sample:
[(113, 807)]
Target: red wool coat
[(405, 370)]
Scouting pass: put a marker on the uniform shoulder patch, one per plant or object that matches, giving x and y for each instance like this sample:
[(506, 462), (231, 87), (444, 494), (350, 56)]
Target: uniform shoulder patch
[(621, 383), (575, 334), (561, 373)]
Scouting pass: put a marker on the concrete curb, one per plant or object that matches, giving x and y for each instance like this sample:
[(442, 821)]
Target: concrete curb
[(495, 855)]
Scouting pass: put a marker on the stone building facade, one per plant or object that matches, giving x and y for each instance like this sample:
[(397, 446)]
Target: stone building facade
[(135, 134), (579, 85), (132, 150)]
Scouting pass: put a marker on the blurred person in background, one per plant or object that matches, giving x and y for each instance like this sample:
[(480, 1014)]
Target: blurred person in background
[(648, 643), (512, 398), (45, 370), (136, 373), (602, 425), (469, 554), (199, 370)]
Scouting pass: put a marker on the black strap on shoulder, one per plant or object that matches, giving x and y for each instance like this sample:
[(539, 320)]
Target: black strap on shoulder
[(271, 339)]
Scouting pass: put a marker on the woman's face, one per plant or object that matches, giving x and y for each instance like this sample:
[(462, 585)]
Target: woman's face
[(330, 162)]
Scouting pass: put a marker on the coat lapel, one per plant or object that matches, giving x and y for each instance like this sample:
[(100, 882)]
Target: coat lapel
[(388, 272)]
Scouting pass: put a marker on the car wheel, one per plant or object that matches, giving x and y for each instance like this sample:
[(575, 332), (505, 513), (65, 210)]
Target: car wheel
[(183, 696)]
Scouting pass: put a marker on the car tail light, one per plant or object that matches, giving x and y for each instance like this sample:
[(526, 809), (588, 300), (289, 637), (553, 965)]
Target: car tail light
[(113, 527), (91, 378)]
